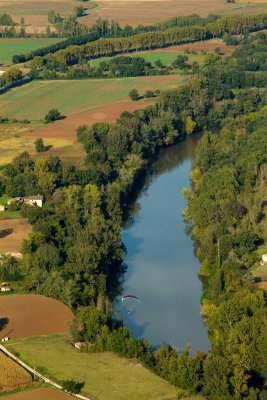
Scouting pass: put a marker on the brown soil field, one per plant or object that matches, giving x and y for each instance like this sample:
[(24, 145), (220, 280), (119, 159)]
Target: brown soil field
[(66, 128), (39, 394), (24, 315), (12, 234), (208, 46)]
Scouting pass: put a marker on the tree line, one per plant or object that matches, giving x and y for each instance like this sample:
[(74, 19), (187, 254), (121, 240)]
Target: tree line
[(146, 41)]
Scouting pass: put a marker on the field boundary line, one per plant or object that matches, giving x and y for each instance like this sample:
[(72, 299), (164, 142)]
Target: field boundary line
[(33, 372)]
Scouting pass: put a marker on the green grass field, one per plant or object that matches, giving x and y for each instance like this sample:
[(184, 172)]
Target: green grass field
[(71, 97), (152, 56), (10, 47), (106, 376)]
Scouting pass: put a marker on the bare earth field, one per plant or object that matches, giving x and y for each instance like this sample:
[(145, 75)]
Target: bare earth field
[(12, 234), (67, 127), (24, 315), (39, 394), (208, 46)]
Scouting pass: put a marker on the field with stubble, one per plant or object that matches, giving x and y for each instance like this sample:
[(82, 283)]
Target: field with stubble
[(11, 374)]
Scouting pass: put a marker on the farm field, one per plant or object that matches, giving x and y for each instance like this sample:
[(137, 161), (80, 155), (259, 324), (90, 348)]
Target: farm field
[(58, 359), (12, 375), (35, 11), (34, 100), (85, 102), (168, 54), (39, 394), (12, 234), (24, 315), (147, 12), (10, 47)]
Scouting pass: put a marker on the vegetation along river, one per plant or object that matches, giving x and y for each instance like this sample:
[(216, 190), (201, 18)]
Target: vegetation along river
[(162, 268)]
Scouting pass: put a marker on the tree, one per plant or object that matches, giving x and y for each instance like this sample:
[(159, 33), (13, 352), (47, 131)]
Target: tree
[(190, 125), (158, 63), (72, 386), (39, 145), (134, 95), (78, 11), (52, 115)]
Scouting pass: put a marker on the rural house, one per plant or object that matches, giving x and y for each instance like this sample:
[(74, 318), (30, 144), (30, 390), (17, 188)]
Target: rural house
[(31, 200)]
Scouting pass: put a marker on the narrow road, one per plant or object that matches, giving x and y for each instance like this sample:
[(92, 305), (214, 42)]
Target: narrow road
[(35, 373)]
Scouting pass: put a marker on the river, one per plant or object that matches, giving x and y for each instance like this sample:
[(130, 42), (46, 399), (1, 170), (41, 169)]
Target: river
[(162, 268)]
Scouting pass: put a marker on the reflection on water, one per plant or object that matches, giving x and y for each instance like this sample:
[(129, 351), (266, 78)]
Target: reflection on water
[(162, 269)]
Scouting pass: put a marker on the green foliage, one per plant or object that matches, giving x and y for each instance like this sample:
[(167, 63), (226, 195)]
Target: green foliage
[(52, 115), (134, 95), (39, 145), (72, 386)]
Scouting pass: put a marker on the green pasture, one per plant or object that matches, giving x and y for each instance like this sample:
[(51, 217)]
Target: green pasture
[(106, 376), (71, 97), (10, 47), (151, 56)]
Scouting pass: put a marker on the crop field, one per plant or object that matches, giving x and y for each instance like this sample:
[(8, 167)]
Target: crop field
[(57, 358), (168, 54), (12, 234), (10, 47), (34, 100), (24, 315), (12, 375), (147, 12), (39, 394), (35, 11)]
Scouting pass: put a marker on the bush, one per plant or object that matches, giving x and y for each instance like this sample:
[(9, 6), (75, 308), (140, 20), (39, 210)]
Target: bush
[(72, 386), (39, 145), (134, 95), (52, 115)]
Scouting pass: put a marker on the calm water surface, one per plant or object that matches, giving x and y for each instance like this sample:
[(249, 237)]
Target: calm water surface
[(162, 269)]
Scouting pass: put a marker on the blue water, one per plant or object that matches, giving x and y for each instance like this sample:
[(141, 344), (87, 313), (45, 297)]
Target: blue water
[(162, 268)]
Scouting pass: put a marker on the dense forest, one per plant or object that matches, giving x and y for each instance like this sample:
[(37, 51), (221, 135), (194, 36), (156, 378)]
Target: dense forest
[(75, 252)]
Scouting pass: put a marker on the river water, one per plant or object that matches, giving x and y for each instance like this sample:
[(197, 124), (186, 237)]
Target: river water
[(162, 269)]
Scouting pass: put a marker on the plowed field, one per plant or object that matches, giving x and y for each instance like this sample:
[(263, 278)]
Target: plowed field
[(26, 315)]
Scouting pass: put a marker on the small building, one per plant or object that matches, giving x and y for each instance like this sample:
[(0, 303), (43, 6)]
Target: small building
[(31, 200), (2, 72), (5, 339), (264, 258), (78, 345), (2, 208)]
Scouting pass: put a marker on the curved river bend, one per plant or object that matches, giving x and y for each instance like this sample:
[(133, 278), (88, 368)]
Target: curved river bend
[(162, 269)]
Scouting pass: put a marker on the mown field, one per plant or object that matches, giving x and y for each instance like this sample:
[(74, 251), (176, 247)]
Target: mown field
[(10, 47), (106, 376), (34, 100), (11, 374)]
